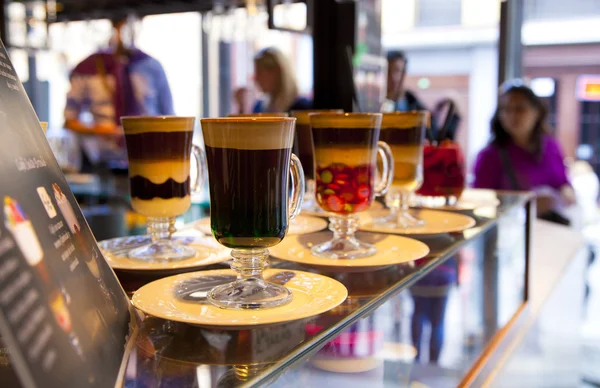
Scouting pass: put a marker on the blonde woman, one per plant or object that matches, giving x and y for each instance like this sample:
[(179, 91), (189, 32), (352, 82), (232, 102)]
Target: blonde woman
[(274, 77)]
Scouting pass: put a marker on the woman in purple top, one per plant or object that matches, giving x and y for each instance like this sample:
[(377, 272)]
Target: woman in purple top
[(522, 155)]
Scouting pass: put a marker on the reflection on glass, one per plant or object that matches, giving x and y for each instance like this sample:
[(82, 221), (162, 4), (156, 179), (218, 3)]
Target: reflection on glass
[(180, 355), (249, 162), (346, 147), (363, 355), (430, 297)]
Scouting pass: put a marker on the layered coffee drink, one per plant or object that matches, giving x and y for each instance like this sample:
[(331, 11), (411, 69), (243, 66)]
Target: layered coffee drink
[(345, 168), (407, 145), (248, 166), (405, 134), (346, 149), (159, 153)]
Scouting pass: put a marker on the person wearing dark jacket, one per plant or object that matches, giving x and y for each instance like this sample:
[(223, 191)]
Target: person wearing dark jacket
[(402, 100)]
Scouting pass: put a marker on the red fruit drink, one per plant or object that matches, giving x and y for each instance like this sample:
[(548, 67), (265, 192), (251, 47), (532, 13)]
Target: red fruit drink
[(345, 189), (345, 169), (444, 171), (346, 148)]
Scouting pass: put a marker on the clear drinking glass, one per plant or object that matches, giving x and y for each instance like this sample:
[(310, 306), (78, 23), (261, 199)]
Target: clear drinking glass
[(346, 148), (304, 148), (250, 161), (405, 134), (159, 150), (443, 176)]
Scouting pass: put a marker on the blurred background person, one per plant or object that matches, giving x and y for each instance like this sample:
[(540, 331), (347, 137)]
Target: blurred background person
[(274, 77), (119, 81), (403, 100), (523, 155), (398, 98)]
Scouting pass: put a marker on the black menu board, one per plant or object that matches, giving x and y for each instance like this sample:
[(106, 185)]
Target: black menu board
[(63, 314)]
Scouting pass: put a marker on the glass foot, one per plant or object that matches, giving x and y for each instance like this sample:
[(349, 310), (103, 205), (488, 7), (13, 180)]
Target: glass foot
[(162, 250), (344, 248), (250, 293), (403, 220), (250, 290), (343, 245)]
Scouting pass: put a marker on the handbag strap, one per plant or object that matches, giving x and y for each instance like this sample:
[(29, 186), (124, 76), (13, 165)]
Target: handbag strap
[(509, 169)]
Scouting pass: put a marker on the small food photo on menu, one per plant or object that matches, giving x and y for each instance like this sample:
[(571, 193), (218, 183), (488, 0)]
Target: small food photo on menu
[(66, 209), (19, 225)]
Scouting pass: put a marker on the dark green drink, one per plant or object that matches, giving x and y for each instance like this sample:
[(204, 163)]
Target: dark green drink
[(250, 163), (248, 205)]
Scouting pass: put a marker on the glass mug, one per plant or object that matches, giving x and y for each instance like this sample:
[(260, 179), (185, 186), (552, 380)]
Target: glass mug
[(159, 151), (249, 163), (304, 148), (346, 148), (405, 134), (444, 174)]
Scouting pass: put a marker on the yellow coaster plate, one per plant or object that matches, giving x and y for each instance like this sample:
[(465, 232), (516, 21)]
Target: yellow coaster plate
[(390, 250), (209, 252), (469, 200), (312, 294), (436, 222)]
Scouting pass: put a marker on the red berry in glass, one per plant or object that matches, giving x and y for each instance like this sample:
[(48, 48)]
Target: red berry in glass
[(443, 171), (344, 189)]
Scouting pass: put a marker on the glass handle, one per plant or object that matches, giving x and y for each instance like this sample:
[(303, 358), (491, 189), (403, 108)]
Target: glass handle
[(297, 173), (387, 175), (200, 168)]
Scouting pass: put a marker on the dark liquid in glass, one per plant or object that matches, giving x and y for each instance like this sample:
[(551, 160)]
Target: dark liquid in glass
[(329, 137), (248, 196), (303, 148)]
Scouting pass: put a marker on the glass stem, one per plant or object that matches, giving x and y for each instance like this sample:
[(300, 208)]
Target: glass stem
[(343, 227), (161, 228), (404, 199), (392, 201), (250, 264)]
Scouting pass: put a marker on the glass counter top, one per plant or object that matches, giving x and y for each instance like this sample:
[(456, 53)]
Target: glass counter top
[(449, 305)]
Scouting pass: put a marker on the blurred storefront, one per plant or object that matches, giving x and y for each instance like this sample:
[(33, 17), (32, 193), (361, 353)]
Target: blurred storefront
[(206, 55), (452, 47), (571, 77), (452, 52)]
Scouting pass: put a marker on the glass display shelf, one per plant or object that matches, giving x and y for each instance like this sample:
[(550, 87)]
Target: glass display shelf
[(452, 305)]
